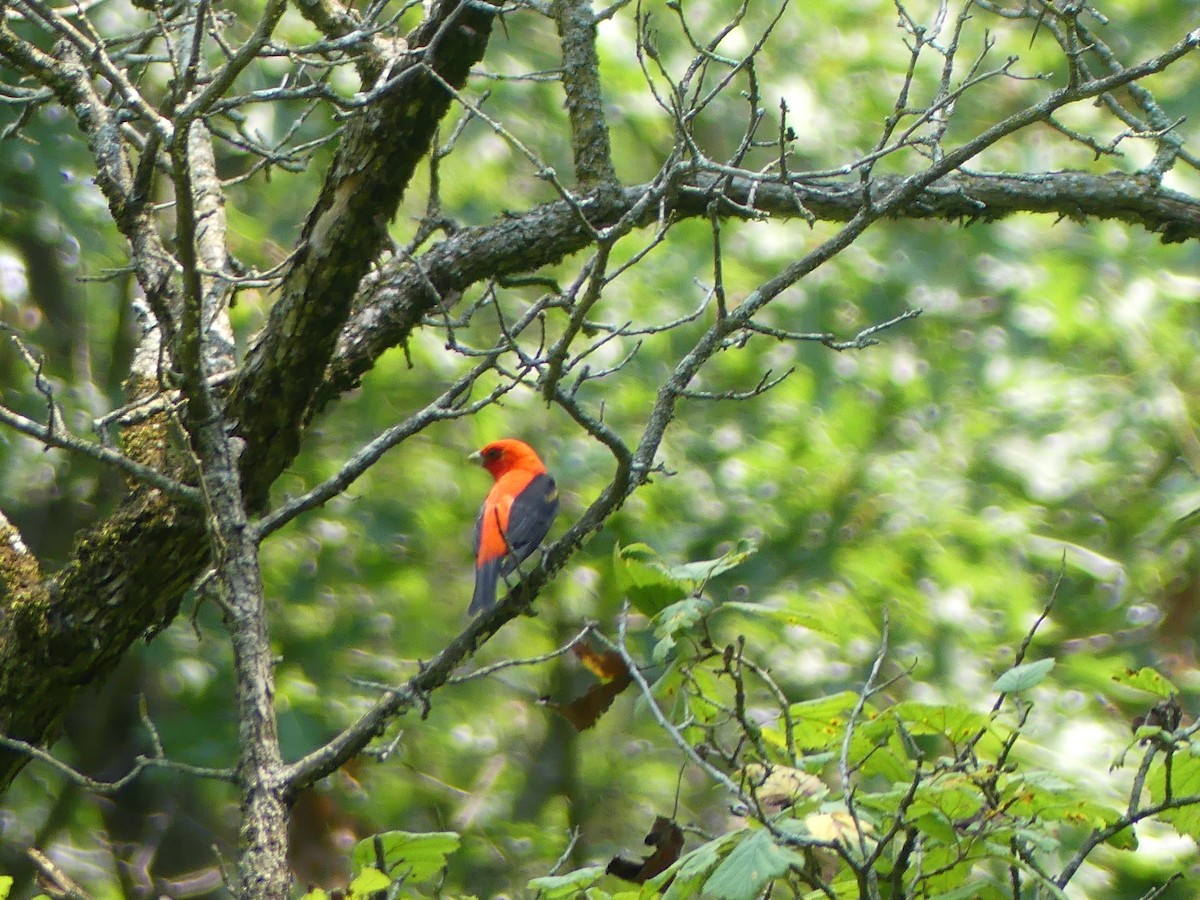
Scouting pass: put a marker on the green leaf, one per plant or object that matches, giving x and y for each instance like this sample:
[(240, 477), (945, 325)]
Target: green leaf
[(689, 869), (1148, 733), (568, 885), (1125, 839), (652, 586), (369, 881), (955, 723), (700, 700), (1023, 677), (697, 574), (756, 860), (1146, 679), (952, 798), (6, 883), (819, 724), (644, 580), (418, 855), (677, 617), (1046, 797), (1185, 782), (937, 826), (1040, 839)]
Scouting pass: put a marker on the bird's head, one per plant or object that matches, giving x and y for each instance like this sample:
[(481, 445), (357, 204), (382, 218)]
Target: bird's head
[(500, 457)]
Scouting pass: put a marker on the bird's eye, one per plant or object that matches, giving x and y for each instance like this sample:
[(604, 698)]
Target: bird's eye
[(492, 453)]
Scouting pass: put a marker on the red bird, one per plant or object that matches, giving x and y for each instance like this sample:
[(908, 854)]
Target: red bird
[(516, 514)]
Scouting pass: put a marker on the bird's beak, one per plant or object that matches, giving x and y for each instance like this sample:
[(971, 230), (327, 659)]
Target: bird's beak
[(476, 458)]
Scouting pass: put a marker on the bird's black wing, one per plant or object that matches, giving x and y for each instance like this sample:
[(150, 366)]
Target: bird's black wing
[(530, 518)]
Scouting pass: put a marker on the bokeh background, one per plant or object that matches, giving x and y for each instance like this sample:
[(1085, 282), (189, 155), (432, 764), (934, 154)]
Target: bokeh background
[(1038, 418)]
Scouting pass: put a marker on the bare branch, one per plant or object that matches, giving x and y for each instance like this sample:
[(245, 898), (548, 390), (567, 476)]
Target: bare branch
[(140, 765), (57, 882), (448, 405), (485, 671), (58, 436), (585, 101), (652, 704)]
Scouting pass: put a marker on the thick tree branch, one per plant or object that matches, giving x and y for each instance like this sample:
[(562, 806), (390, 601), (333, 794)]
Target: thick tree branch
[(204, 349), (585, 100), (343, 26), (392, 304), (125, 582), (344, 234)]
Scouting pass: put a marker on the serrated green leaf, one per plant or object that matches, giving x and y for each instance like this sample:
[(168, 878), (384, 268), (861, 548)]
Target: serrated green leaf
[(690, 869), (368, 881), (955, 723), (955, 798), (420, 855), (644, 580), (1185, 782), (652, 586), (1046, 797), (697, 574), (819, 724), (1146, 679), (756, 860), (552, 886), (1023, 677), (677, 617)]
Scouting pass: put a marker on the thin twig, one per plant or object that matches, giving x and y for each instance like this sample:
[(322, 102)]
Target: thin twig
[(485, 671)]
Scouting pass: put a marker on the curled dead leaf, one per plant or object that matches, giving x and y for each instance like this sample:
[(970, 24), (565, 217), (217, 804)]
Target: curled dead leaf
[(834, 826), (667, 839), (583, 712), (778, 787)]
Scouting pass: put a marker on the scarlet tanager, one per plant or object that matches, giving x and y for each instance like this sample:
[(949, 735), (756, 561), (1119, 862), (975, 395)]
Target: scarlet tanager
[(515, 516)]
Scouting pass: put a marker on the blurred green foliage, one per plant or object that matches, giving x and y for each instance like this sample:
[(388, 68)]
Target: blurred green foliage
[(1036, 421)]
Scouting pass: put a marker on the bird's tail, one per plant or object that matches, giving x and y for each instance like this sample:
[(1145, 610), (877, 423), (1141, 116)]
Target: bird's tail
[(485, 586)]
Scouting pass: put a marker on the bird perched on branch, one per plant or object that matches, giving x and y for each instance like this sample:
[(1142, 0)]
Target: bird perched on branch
[(515, 516)]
